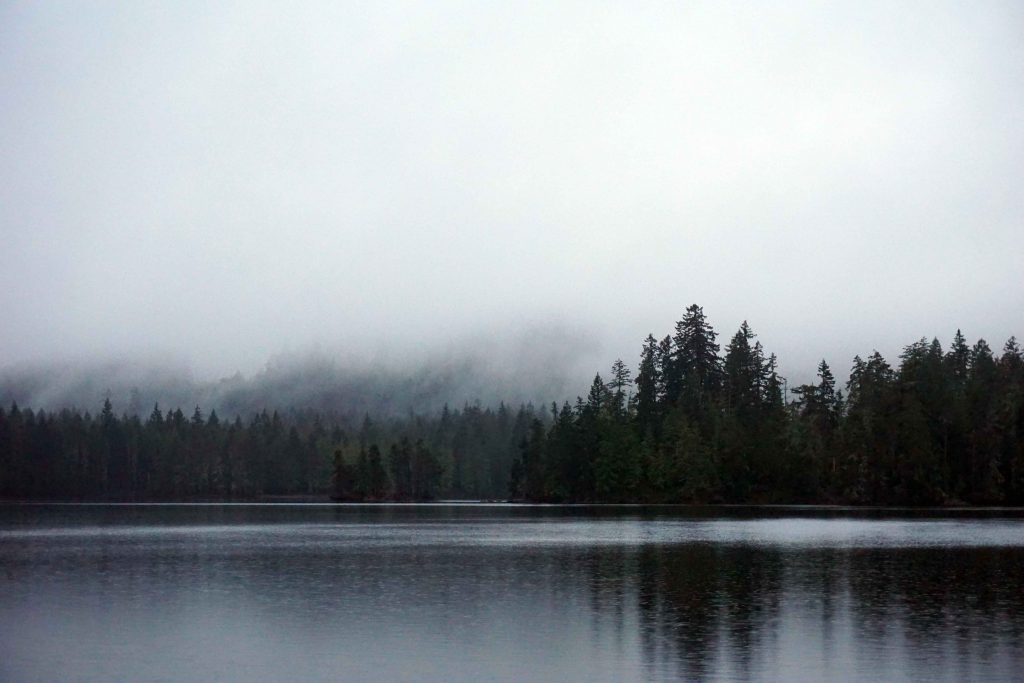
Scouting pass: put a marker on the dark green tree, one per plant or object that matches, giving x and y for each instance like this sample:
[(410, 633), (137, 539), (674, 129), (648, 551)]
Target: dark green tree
[(696, 364), (343, 479), (648, 379)]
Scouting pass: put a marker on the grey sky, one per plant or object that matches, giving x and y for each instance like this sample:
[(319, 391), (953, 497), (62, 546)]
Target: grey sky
[(224, 183)]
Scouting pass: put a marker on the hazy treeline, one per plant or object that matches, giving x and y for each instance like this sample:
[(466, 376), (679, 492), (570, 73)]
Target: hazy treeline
[(464, 453), (547, 365), (700, 425)]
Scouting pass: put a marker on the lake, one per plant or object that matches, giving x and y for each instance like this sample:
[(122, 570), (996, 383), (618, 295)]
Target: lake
[(508, 593)]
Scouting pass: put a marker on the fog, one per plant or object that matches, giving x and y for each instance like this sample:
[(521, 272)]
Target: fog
[(548, 365), (388, 187)]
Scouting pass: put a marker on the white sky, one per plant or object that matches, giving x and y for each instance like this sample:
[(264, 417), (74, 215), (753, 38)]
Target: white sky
[(226, 183)]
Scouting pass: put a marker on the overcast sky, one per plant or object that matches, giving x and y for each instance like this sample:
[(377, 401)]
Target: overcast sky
[(224, 183)]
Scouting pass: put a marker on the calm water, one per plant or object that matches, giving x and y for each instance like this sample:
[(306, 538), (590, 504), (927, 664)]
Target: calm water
[(500, 593)]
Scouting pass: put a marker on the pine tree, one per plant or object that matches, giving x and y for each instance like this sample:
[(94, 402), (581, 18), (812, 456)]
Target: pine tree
[(377, 476), (618, 388), (959, 358), (742, 373), (362, 475), (400, 464), (344, 479), (986, 481), (819, 407), (1010, 421), (426, 471), (695, 362), (648, 379), (532, 470), (868, 435), (771, 434), (669, 380), (741, 397)]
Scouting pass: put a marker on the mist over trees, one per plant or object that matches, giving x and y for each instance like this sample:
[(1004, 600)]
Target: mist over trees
[(698, 421), (338, 388)]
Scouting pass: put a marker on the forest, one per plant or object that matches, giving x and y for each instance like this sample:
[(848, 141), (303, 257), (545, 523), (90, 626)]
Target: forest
[(696, 423)]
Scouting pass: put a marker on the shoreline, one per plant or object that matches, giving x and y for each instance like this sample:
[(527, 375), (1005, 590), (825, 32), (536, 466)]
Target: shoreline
[(309, 501)]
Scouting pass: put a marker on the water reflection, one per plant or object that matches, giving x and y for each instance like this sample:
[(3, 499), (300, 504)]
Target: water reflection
[(708, 612), (453, 594)]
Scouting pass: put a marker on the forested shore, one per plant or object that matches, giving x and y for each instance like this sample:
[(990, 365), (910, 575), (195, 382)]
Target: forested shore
[(696, 423)]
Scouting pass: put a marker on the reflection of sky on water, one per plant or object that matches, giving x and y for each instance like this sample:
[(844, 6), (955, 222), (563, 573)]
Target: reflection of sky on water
[(494, 595), (796, 531)]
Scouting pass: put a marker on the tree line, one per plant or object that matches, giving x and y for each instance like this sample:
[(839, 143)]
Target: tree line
[(698, 423), (167, 455)]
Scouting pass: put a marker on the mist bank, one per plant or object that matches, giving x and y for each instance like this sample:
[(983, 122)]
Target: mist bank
[(538, 366)]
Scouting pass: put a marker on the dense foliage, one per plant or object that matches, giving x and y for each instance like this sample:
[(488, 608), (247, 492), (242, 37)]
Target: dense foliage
[(943, 427), (464, 453), (698, 424)]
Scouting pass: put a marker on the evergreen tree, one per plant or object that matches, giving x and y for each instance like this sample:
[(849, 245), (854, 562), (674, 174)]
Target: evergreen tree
[(400, 464), (986, 480), (743, 370), (868, 437), (362, 474), (819, 407), (648, 379), (742, 394), (1010, 421), (669, 379), (695, 363), (426, 471), (530, 473), (618, 388), (344, 479), (377, 475), (771, 434), (958, 359)]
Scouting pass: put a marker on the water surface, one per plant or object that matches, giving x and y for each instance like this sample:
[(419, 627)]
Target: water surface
[(508, 593)]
